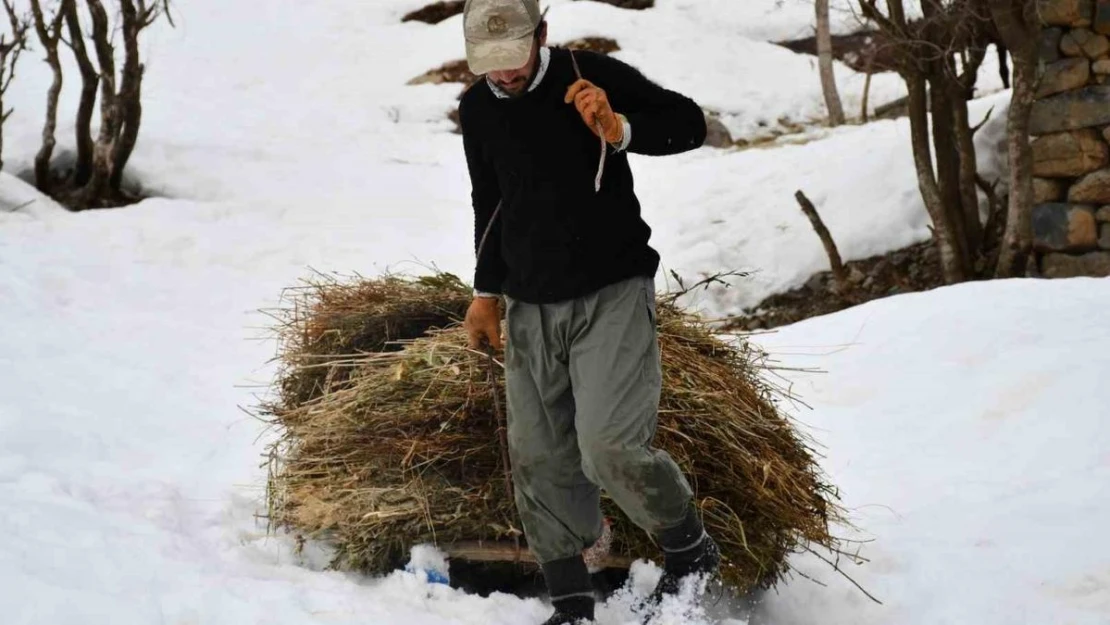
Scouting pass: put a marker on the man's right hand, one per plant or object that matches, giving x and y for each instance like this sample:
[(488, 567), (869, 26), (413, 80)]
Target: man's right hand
[(483, 323)]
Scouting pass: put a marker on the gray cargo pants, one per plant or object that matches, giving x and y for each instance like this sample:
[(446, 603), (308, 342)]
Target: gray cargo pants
[(583, 380)]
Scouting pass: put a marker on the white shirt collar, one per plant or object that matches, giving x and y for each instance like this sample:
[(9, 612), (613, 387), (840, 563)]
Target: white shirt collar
[(545, 60)]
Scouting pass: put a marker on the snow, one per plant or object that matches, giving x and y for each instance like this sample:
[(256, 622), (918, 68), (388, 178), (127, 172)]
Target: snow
[(718, 56), (966, 433), (432, 562), (739, 211), (131, 479)]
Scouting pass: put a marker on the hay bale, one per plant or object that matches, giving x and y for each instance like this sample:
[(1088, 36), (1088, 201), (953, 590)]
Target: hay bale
[(406, 450), (329, 323)]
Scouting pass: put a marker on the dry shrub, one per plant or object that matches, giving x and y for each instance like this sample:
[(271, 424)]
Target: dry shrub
[(407, 451)]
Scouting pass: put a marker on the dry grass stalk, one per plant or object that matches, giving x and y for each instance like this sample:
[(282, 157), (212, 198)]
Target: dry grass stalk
[(329, 324), (389, 449)]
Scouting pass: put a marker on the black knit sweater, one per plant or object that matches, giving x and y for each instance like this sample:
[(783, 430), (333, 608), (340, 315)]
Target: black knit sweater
[(555, 238)]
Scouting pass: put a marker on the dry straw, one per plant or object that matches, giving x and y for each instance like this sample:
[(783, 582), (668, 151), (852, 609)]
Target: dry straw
[(388, 436)]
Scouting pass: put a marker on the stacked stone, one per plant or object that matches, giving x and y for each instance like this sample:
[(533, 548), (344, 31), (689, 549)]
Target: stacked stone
[(1071, 151)]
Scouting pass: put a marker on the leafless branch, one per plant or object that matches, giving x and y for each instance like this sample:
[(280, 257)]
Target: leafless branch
[(10, 49), (888, 24), (975, 129), (837, 568), (119, 80), (50, 34), (835, 262), (90, 82)]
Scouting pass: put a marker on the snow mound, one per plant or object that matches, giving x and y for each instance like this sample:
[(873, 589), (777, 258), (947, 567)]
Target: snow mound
[(966, 433)]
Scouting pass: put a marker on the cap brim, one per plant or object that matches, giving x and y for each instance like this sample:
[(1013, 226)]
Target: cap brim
[(484, 57)]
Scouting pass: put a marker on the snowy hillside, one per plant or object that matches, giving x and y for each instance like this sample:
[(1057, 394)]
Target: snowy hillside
[(131, 479), (966, 432)]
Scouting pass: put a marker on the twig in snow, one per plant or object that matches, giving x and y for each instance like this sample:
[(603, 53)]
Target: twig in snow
[(836, 568), (21, 206), (826, 239)]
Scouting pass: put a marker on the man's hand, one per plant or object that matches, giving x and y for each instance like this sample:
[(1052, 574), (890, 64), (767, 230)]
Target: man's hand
[(483, 323), (593, 105)]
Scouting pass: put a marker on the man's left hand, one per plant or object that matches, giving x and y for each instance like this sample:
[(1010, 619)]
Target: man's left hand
[(593, 105)]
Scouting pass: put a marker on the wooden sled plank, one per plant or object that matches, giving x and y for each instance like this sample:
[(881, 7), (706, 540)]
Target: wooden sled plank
[(479, 551)]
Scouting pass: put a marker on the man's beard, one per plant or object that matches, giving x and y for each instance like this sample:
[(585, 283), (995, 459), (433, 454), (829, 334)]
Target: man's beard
[(518, 88), (515, 88)]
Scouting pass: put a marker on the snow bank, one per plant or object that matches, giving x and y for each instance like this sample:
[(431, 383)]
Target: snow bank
[(966, 433)]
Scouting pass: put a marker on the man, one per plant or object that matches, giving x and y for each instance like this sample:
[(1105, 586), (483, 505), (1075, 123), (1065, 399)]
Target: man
[(576, 272)]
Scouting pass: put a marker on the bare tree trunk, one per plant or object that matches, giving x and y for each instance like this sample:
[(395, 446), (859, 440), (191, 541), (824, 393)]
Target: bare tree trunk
[(926, 52), (1003, 66), (90, 81), (947, 244), (825, 61), (948, 167), (939, 67), (132, 119), (130, 95), (968, 177), (104, 148), (963, 89), (1019, 28), (864, 114), (50, 35)]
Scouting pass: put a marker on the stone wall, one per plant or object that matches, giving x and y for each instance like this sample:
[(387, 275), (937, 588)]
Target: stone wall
[(1071, 147)]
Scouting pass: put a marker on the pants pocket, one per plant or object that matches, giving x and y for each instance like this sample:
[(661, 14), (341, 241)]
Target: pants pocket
[(648, 292), (650, 365)]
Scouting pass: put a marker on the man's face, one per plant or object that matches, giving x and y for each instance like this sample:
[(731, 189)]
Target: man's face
[(515, 81)]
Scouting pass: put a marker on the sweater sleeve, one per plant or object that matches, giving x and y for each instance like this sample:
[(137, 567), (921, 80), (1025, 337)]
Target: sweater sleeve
[(485, 196), (663, 121)]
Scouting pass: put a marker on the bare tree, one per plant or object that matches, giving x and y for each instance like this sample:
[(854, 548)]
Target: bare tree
[(90, 82), (1019, 28), (120, 96), (136, 18), (10, 49), (938, 57), (104, 147), (50, 34), (825, 62), (864, 115)]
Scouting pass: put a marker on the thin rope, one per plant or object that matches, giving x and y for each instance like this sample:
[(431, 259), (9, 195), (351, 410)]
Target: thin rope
[(597, 127)]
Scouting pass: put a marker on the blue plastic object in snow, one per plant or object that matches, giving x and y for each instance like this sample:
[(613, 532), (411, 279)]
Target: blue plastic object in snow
[(433, 576)]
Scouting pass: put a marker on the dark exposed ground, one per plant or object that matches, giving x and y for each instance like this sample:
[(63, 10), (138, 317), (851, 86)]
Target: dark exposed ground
[(915, 268)]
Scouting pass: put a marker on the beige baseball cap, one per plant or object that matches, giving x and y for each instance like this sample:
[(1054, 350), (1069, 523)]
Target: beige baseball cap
[(499, 33)]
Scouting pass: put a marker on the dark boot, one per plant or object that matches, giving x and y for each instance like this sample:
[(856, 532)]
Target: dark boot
[(572, 611), (687, 550), (572, 593)]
